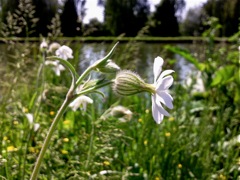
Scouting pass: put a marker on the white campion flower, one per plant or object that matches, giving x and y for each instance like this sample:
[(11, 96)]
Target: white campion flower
[(162, 82), (56, 67), (128, 83), (64, 52), (81, 102)]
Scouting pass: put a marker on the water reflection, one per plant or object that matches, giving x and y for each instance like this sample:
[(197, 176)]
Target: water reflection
[(139, 59)]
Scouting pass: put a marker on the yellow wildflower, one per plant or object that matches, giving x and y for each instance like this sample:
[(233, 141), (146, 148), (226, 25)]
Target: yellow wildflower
[(171, 119), (179, 166), (167, 134), (65, 140), (106, 163), (25, 110), (222, 177), (15, 122), (11, 149), (52, 113), (145, 142), (64, 151)]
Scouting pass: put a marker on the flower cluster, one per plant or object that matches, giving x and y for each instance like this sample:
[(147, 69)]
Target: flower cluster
[(63, 52)]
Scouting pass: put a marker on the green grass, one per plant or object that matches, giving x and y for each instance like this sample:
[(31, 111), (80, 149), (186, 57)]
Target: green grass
[(196, 142)]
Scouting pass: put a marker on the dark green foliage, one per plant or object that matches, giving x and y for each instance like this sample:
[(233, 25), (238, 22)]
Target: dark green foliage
[(45, 11), (124, 16), (228, 13), (164, 21), (71, 26)]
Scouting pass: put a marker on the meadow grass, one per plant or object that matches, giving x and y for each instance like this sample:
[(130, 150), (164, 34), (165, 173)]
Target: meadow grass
[(200, 140)]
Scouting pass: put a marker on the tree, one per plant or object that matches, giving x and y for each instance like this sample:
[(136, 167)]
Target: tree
[(228, 13), (193, 23), (69, 19), (45, 11), (164, 21), (125, 16)]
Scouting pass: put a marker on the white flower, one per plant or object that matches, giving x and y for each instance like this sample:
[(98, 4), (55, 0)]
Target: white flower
[(122, 113), (64, 52), (80, 101), (162, 81), (56, 66), (30, 118), (36, 126), (53, 47), (44, 45), (31, 122)]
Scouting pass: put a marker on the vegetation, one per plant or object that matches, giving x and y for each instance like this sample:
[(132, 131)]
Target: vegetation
[(200, 140), (36, 18)]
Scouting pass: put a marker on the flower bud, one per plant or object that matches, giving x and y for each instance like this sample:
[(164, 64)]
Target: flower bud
[(122, 113), (108, 67), (44, 45), (129, 83)]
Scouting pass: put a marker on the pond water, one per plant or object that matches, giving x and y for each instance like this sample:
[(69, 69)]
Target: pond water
[(139, 57)]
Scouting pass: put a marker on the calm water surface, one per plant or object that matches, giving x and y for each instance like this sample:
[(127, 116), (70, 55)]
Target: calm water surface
[(140, 58)]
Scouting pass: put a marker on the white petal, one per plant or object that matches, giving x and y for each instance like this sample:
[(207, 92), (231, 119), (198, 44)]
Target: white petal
[(165, 83), (165, 98), (61, 67), (157, 67), (64, 52), (157, 116), (57, 71), (75, 104), (36, 126), (165, 73), (81, 100), (159, 106), (86, 99), (30, 118)]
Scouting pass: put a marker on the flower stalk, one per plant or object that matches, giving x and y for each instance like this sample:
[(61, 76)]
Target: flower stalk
[(48, 137), (63, 54)]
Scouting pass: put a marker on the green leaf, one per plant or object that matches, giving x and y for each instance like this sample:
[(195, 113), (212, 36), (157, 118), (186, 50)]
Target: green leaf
[(187, 56), (223, 75)]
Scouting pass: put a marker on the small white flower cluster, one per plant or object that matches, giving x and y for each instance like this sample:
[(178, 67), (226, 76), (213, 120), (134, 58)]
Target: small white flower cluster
[(63, 52)]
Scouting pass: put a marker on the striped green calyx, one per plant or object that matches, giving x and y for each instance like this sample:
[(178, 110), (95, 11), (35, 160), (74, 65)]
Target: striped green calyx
[(129, 83)]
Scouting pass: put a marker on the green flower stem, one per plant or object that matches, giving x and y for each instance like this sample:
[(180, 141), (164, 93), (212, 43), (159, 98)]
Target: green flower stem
[(48, 137), (84, 74), (95, 65), (91, 89), (59, 114)]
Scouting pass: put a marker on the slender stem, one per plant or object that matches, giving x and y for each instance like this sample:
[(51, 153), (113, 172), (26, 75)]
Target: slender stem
[(84, 74), (91, 89), (48, 138)]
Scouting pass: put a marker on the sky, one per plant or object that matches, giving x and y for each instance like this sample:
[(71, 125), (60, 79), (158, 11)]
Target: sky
[(94, 11)]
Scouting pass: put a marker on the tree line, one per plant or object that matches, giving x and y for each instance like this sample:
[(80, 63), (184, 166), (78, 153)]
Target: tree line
[(25, 18)]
